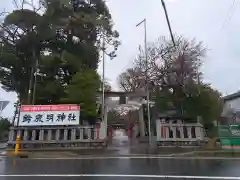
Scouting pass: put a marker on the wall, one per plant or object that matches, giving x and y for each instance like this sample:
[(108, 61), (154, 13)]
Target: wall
[(230, 108), (233, 104)]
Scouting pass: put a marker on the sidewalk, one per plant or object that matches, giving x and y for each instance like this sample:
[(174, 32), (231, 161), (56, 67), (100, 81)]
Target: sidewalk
[(116, 148), (3, 146), (111, 152), (163, 152)]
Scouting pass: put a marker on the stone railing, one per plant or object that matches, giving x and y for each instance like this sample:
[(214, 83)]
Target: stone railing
[(57, 137), (179, 134)]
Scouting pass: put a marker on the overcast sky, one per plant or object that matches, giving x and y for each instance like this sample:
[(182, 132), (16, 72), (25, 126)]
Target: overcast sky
[(212, 21)]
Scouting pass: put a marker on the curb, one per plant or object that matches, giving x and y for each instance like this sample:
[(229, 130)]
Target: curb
[(17, 155), (134, 157)]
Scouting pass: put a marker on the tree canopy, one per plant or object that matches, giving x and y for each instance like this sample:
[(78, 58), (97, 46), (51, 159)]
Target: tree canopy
[(174, 79), (4, 128), (58, 42)]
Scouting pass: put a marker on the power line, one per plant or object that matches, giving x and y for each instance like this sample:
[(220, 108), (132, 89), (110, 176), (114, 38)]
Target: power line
[(229, 14), (228, 18)]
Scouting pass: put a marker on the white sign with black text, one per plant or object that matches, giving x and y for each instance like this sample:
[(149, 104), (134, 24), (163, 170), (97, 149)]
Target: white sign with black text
[(48, 115)]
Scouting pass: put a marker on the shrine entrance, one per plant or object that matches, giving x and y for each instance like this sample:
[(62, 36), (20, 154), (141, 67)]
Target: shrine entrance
[(128, 125)]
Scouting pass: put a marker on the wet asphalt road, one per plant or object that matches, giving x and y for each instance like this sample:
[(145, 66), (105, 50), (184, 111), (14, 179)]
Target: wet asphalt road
[(115, 169), (93, 167)]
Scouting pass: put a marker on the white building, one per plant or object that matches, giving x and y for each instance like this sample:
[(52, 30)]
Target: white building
[(231, 108)]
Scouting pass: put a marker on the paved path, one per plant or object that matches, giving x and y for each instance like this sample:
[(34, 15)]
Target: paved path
[(115, 169), (122, 145)]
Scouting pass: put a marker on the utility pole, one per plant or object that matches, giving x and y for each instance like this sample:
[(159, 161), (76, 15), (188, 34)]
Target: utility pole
[(172, 37), (146, 76), (31, 80), (35, 78), (103, 115), (103, 86), (168, 22)]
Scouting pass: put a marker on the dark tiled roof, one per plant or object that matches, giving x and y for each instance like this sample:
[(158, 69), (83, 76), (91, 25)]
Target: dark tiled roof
[(119, 93), (232, 96)]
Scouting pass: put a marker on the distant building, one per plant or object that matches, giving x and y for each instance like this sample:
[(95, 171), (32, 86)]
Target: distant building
[(231, 108)]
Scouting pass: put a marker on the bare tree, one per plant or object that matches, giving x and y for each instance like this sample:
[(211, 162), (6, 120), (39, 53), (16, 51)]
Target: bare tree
[(170, 65), (131, 80), (107, 86), (172, 71)]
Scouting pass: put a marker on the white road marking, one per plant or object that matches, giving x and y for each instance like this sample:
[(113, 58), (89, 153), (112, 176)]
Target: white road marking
[(121, 175), (3, 153), (136, 157)]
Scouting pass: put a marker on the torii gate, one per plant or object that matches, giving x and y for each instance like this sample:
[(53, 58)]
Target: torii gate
[(131, 100)]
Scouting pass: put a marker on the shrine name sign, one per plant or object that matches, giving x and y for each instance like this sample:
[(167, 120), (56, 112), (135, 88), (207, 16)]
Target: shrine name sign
[(49, 115)]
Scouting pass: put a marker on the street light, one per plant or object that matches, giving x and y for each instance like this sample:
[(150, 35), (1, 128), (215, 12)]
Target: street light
[(146, 76)]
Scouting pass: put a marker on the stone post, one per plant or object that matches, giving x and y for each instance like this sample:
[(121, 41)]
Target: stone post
[(89, 133), (189, 131), (167, 130), (65, 134), (159, 129), (49, 135), (41, 135), (73, 134), (25, 134), (141, 122), (102, 134), (57, 134), (81, 133), (11, 135), (33, 135), (174, 129)]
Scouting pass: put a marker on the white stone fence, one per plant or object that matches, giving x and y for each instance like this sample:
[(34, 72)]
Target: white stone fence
[(65, 136), (179, 133)]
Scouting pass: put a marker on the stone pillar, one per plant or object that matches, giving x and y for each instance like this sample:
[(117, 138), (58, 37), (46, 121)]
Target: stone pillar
[(106, 120), (141, 121), (25, 134), (41, 135), (73, 134), (102, 134), (89, 133), (199, 131), (81, 133), (57, 134), (49, 135), (65, 134), (189, 131), (181, 132), (19, 133), (167, 128), (159, 129), (33, 135), (174, 129), (11, 135), (95, 133)]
